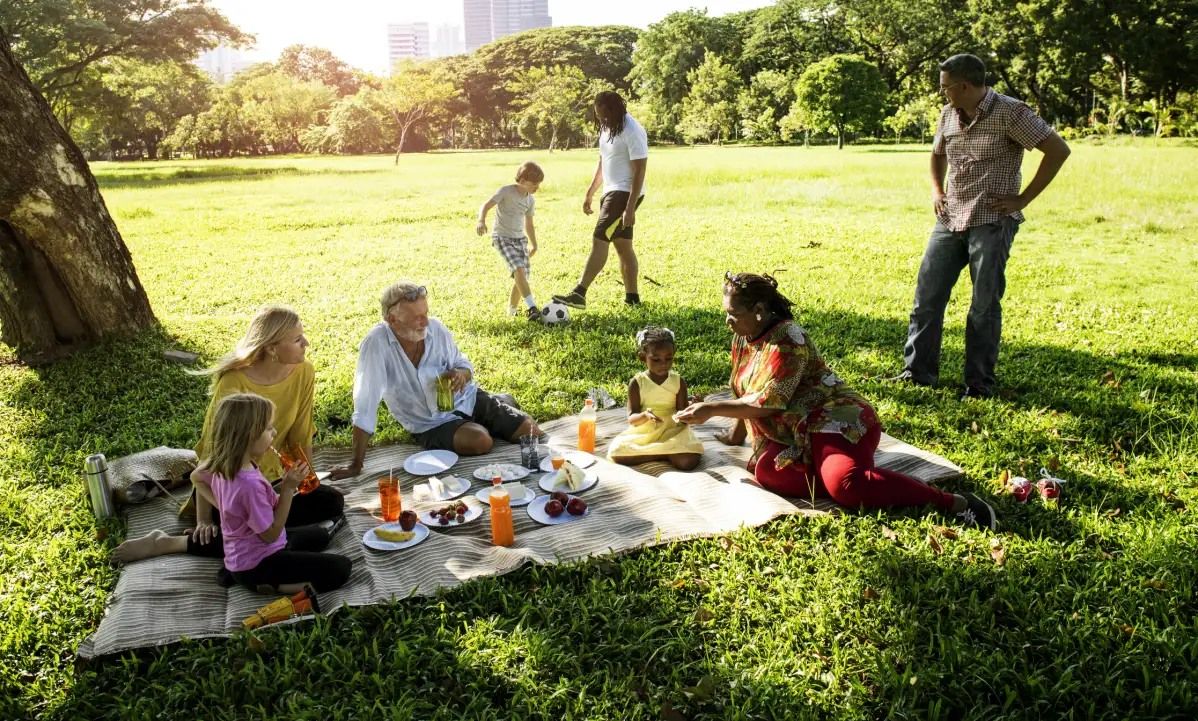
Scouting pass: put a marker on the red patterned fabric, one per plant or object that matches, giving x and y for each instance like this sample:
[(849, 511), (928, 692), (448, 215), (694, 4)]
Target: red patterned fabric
[(783, 370)]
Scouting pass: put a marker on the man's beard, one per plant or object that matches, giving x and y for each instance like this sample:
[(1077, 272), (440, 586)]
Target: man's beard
[(412, 335)]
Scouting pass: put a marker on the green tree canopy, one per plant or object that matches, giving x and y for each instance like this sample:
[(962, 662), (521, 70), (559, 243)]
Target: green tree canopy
[(665, 56), (602, 53), (709, 110), (312, 64), (842, 92), (416, 94), (59, 41), (140, 104), (762, 105), (551, 104)]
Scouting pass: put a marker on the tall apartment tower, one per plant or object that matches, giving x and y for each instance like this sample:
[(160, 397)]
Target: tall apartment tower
[(407, 41), (476, 15), (447, 40), (488, 20)]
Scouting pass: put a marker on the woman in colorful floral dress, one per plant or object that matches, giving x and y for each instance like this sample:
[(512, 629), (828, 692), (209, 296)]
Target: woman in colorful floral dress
[(812, 435)]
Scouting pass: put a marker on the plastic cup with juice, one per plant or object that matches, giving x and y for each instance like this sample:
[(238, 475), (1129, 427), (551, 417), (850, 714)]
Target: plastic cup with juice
[(444, 393), (390, 503), (288, 460)]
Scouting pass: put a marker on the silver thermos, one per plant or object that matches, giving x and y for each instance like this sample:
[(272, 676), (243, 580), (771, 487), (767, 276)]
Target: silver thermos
[(95, 468)]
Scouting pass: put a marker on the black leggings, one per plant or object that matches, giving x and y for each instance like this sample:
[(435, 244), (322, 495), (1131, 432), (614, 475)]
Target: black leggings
[(299, 562), (322, 504)]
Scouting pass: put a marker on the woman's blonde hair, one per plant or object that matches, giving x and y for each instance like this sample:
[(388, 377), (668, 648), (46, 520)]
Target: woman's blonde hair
[(269, 326), (239, 420)]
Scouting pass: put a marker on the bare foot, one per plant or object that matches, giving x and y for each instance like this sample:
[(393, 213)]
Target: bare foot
[(154, 543)]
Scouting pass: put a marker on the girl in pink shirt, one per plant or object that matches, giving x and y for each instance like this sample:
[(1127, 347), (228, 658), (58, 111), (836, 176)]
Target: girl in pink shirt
[(258, 551)]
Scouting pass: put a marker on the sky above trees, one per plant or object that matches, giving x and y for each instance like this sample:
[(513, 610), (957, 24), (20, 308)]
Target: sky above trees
[(355, 30)]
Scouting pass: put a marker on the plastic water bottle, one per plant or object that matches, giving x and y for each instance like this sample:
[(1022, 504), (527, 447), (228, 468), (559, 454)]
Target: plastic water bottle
[(586, 427)]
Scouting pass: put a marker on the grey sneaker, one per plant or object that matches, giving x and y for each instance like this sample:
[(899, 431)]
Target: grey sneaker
[(977, 513), (574, 299)]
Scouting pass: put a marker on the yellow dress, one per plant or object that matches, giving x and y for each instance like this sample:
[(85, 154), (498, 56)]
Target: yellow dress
[(655, 439)]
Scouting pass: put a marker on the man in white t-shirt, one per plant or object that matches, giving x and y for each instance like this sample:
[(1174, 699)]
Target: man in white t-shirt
[(623, 155)]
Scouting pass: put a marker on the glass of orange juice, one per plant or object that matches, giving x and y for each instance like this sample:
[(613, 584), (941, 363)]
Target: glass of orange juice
[(556, 459), (389, 499)]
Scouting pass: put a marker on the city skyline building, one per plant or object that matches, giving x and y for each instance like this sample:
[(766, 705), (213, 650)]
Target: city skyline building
[(476, 17), (222, 62), (447, 40), (407, 41), (490, 20)]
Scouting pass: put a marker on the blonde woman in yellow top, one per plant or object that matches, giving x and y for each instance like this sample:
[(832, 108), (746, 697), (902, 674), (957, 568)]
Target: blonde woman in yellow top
[(268, 361), (654, 396)]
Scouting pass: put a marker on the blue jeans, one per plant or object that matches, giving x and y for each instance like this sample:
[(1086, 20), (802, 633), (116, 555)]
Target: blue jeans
[(985, 249)]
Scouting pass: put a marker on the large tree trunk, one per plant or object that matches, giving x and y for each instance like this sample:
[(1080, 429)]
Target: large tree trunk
[(66, 277)]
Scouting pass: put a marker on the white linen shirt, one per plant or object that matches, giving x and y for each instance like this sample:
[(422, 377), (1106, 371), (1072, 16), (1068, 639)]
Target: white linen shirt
[(386, 374), (618, 153)]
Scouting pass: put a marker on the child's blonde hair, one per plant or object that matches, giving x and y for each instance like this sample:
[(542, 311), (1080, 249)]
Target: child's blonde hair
[(239, 420), (650, 336), (530, 171), (270, 325)]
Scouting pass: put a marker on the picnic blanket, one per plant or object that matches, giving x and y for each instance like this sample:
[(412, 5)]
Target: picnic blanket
[(165, 599)]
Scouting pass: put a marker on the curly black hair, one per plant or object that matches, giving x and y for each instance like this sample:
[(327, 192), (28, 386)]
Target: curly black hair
[(748, 289), (652, 335)]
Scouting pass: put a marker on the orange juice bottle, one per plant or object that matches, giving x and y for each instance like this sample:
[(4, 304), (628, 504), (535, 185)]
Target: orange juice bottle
[(586, 427), (502, 531)]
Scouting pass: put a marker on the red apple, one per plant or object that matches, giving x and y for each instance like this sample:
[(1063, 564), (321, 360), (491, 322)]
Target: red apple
[(576, 506), (554, 508), (407, 520), (560, 496)]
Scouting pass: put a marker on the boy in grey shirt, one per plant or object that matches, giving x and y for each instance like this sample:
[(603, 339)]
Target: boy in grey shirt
[(514, 232)]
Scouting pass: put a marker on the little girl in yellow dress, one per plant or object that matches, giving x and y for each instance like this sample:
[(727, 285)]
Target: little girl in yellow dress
[(654, 396)]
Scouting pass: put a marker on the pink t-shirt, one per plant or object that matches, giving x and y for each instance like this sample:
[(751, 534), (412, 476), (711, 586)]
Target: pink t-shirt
[(247, 508)]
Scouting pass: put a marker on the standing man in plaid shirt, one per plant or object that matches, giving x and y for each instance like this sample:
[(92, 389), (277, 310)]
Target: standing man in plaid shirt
[(979, 144)]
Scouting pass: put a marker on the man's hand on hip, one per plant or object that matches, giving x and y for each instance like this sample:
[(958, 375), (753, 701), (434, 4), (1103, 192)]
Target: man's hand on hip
[(1006, 204)]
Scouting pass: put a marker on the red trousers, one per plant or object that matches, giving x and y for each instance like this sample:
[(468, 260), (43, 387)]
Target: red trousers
[(845, 472)]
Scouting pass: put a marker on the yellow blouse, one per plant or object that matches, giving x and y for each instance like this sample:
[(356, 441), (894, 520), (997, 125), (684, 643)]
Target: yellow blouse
[(293, 398)]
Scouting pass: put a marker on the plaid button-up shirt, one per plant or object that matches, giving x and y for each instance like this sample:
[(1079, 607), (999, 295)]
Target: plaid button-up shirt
[(984, 156)]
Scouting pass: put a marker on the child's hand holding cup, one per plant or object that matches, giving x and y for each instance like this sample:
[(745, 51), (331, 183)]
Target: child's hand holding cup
[(294, 476)]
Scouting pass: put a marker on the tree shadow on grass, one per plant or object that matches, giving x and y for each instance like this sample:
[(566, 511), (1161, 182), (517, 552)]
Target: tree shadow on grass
[(796, 619), (222, 174)]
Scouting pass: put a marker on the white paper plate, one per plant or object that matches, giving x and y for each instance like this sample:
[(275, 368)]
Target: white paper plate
[(323, 476), (472, 513), (372, 541), (454, 487), (429, 463), (508, 471), (485, 496), (548, 482), (536, 511), (582, 459)]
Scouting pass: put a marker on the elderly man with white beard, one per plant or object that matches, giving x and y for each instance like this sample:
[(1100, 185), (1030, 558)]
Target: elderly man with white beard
[(399, 363)]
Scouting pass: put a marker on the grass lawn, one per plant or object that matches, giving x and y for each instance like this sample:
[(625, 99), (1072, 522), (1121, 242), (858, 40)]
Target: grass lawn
[(1085, 610)]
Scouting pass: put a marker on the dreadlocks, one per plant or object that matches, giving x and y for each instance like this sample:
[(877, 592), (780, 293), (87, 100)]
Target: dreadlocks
[(610, 110)]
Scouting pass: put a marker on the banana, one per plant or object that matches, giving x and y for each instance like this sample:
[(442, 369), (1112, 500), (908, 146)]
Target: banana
[(397, 536)]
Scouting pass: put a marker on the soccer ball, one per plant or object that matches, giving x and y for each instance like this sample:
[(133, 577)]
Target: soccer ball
[(555, 313)]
